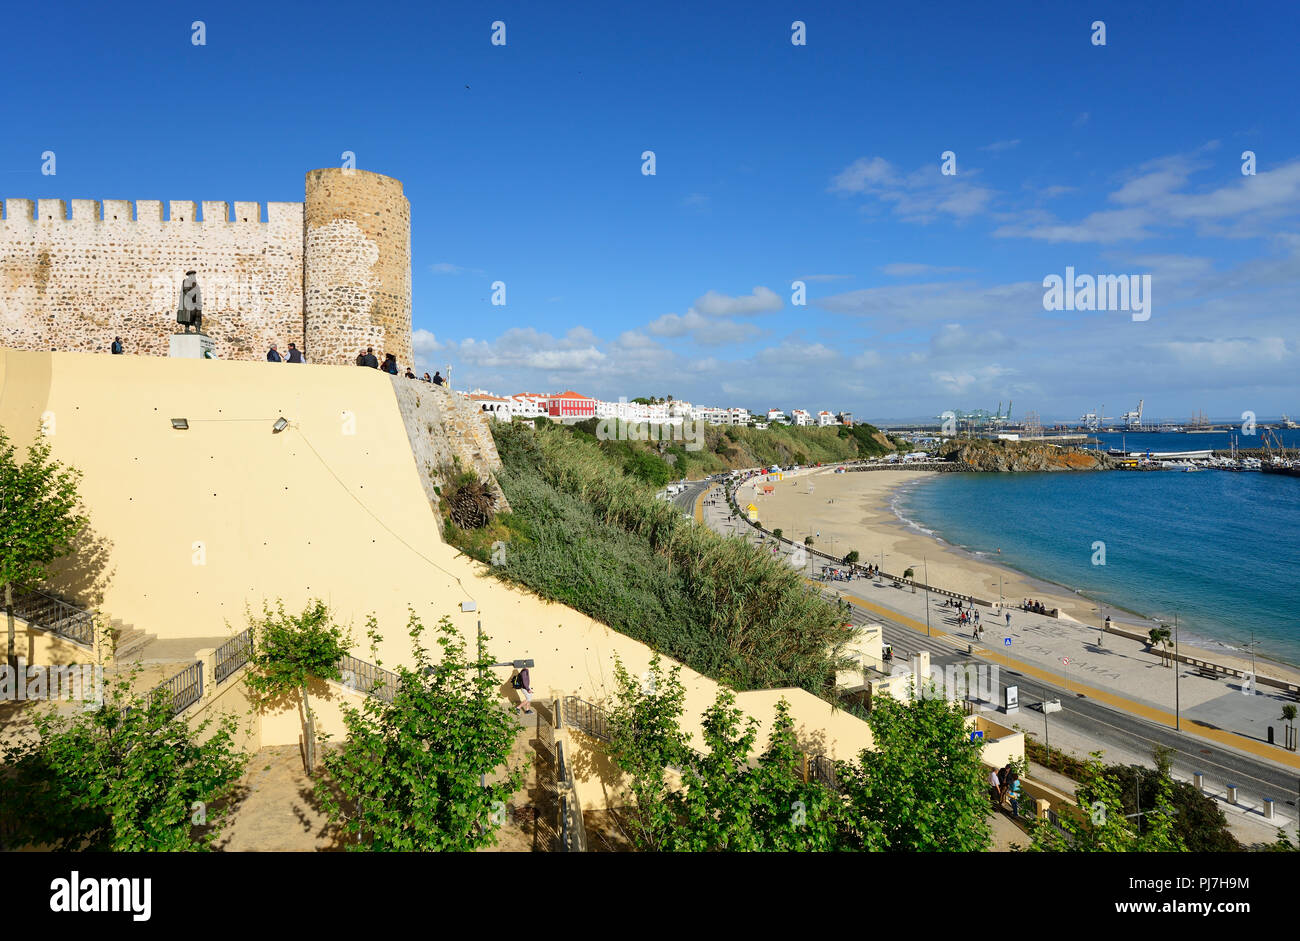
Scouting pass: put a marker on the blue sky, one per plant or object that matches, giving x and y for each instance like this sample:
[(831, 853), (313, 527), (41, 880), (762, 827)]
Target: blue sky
[(774, 163)]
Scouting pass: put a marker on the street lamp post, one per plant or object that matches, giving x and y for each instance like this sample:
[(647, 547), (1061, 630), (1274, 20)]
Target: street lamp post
[(1177, 672), (926, 564)]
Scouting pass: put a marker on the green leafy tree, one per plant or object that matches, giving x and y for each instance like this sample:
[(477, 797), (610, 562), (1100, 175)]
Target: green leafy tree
[(1197, 820), (723, 800), (1288, 715), (807, 540), (646, 740), (123, 777), (778, 532), (38, 520), (413, 774), (923, 787), (1158, 637), (789, 812), (289, 652), (1100, 823), (851, 557)]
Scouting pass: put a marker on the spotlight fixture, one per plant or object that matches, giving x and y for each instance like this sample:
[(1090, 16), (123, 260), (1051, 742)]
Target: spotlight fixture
[(180, 424), (279, 426)]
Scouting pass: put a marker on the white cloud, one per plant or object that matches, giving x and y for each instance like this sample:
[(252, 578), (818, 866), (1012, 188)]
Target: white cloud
[(920, 196), (761, 301), (1001, 145)]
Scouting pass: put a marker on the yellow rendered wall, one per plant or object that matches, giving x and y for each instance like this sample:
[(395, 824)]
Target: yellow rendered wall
[(352, 526)]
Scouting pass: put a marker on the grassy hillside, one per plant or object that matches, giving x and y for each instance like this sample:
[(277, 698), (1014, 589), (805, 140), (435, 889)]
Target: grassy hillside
[(585, 532), (727, 448)]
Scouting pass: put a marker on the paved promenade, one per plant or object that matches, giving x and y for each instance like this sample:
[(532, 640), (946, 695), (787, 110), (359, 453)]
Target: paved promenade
[(1111, 669)]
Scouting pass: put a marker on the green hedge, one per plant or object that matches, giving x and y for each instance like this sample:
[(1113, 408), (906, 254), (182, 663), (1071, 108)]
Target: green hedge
[(584, 532)]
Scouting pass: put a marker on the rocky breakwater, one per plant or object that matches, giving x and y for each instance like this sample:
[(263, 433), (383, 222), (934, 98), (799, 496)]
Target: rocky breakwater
[(1016, 456)]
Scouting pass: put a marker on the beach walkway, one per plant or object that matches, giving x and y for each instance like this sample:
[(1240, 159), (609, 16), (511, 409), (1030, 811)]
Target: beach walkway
[(1110, 670)]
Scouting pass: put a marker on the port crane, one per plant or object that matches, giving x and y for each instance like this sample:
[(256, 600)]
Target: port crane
[(1095, 421), (1133, 420)]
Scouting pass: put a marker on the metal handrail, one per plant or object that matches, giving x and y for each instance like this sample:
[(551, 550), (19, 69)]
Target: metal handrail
[(46, 612), (586, 717), (572, 830), (232, 655), (184, 689), (368, 678)]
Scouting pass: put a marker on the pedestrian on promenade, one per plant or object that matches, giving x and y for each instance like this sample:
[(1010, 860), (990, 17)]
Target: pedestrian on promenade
[(1014, 786), (295, 354), (1008, 619), (523, 683), (995, 789), (116, 349), (273, 355), (1004, 781)]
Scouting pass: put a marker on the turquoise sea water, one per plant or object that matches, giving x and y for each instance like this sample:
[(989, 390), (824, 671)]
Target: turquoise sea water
[(1220, 549)]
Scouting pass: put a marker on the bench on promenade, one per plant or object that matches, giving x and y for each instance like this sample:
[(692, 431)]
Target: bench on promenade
[(1208, 671)]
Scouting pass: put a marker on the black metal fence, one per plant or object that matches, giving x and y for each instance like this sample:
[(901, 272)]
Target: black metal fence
[(367, 678), (586, 717), (822, 770), (182, 690), (232, 655), (572, 830), (57, 616)]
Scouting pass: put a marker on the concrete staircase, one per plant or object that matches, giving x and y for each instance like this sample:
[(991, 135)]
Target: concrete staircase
[(75, 623), (130, 641)]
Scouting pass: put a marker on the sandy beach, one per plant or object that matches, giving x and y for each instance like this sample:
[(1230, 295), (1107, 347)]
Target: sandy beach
[(852, 511)]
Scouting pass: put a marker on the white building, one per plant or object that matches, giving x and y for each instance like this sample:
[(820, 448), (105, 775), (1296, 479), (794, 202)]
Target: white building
[(775, 414), (738, 416), (799, 417), (825, 418), (528, 404), (499, 408)]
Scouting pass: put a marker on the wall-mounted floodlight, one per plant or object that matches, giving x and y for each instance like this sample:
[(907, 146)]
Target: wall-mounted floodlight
[(180, 424), (469, 605), (279, 426)]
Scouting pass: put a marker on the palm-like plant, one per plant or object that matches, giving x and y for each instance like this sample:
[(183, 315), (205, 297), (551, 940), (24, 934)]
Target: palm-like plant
[(1160, 636)]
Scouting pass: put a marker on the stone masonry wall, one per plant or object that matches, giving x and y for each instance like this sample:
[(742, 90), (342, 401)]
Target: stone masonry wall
[(72, 284), (356, 266), (440, 425)]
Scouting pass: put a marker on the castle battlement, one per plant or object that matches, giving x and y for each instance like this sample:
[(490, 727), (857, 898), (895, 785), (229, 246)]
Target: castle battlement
[(331, 273), (186, 212)]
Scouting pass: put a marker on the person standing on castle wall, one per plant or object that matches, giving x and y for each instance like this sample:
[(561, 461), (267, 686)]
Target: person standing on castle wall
[(426, 378), (390, 364), (295, 354), (408, 374), (361, 358), (368, 358), (117, 349), (273, 355), (437, 378)]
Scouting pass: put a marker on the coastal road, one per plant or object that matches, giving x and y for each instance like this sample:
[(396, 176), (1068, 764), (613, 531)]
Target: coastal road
[(1110, 728), (685, 500), (1094, 722)]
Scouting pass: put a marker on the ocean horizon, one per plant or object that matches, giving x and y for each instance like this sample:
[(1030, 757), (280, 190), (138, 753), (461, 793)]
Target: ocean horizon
[(1220, 550)]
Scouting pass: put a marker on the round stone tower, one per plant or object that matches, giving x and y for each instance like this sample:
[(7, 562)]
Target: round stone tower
[(356, 266)]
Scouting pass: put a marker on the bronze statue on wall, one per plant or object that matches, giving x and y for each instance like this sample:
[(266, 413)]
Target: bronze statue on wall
[(189, 311)]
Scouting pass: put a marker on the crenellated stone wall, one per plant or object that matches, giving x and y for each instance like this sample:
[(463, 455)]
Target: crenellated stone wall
[(72, 284), (331, 274)]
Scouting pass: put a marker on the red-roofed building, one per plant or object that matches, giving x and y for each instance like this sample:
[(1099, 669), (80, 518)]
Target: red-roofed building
[(571, 406)]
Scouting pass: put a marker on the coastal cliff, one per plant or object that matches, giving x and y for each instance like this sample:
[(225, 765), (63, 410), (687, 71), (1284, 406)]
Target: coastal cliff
[(1013, 456)]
